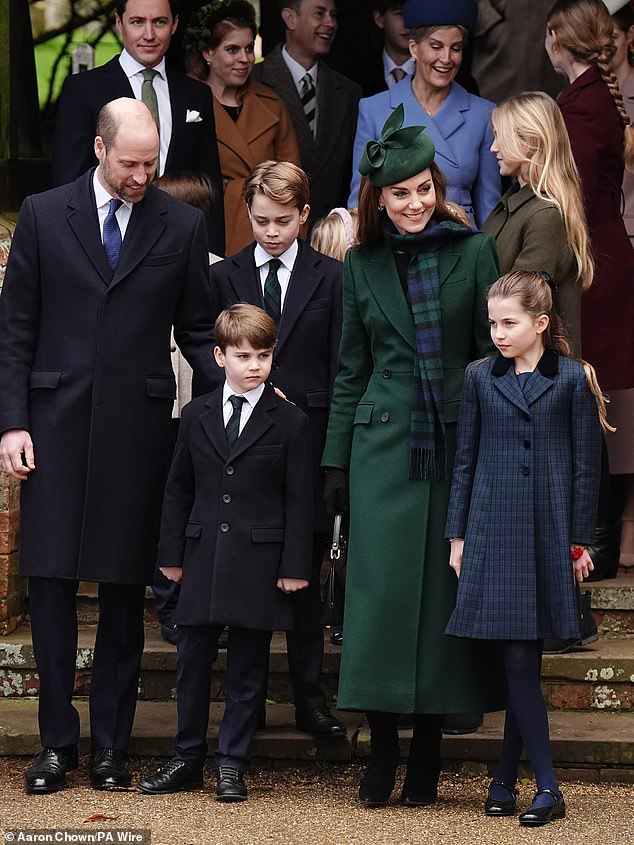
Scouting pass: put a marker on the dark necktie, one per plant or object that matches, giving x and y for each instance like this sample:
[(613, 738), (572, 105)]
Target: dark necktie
[(398, 73), (308, 99), (233, 426), (112, 235), (273, 291)]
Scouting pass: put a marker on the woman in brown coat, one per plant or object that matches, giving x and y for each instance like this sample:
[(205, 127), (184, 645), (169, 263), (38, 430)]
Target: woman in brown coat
[(252, 124)]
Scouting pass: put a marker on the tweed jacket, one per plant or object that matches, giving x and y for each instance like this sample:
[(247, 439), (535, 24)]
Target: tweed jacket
[(327, 158), (262, 131), (530, 234), (237, 519), (461, 133), (525, 486)]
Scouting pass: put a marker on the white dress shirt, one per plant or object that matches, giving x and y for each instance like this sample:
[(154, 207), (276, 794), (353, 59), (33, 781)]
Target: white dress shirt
[(102, 201), (298, 71), (134, 71), (284, 271), (252, 397)]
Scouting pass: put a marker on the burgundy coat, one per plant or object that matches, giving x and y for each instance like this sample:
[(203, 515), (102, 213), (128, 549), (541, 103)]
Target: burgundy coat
[(607, 308)]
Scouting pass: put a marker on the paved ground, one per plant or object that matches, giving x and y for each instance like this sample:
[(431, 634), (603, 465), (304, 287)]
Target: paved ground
[(314, 806)]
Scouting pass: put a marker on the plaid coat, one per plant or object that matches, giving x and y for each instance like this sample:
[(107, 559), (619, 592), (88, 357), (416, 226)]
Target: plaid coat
[(525, 486)]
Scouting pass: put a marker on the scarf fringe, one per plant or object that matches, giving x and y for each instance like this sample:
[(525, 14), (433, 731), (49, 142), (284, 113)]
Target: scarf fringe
[(427, 464)]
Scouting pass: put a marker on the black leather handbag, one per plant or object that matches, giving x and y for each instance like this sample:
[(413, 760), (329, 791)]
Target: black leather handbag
[(335, 583)]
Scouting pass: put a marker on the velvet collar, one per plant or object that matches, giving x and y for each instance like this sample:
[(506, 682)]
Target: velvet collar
[(548, 364)]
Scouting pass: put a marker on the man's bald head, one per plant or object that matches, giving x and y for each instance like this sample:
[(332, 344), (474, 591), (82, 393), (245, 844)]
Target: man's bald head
[(134, 114)]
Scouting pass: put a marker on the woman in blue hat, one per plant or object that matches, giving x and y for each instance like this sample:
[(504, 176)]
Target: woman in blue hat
[(456, 121), (414, 316)]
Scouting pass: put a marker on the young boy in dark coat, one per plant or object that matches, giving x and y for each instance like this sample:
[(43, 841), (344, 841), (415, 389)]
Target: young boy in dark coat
[(236, 532)]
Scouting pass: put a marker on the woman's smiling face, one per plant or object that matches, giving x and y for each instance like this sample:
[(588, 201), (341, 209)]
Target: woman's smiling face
[(411, 203)]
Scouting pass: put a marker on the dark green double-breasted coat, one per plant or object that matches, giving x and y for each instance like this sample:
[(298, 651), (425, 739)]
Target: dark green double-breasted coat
[(400, 590)]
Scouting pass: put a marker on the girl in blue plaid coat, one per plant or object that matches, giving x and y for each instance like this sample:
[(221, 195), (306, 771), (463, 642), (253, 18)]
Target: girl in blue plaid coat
[(522, 509)]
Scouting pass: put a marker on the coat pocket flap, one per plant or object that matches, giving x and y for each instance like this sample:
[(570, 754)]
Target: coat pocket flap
[(157, 260), (267, 535), (363, 414), (193, 530), (317, 304), (317, 399), (267, 449), (160, 387), (45, 378)]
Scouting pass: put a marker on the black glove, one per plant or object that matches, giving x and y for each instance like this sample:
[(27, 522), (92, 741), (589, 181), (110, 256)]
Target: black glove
[(336, 495)]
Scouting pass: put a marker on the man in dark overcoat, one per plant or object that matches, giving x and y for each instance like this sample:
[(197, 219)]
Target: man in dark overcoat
[(99, 271)]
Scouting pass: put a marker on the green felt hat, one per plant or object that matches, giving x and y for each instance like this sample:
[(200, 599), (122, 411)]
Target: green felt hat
[(400, 152)]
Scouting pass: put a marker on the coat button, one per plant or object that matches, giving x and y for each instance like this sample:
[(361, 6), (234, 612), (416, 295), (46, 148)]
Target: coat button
[(387, 373), (226, 498), (385, 416), (224, 527), (230, 470), (526, 471), (527, 444)]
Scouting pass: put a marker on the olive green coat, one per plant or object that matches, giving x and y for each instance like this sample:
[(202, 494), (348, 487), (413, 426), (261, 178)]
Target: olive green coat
[(400, 590)]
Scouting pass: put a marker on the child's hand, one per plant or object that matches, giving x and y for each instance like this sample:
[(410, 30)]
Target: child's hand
[(172, 573), (583, 566), (455, 556), (291, 585)]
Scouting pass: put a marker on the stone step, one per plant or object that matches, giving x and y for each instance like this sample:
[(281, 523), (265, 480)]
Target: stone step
[(597, 677), (586, 746), (613, 605)]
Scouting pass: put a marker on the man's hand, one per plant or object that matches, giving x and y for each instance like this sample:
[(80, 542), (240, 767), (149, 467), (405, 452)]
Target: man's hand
[(291, 585), (455, 557), (15, 445), (172, 573)]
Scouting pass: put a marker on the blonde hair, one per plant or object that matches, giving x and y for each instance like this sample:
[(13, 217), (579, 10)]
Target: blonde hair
[(280, 181), (530, 130), (335, 234), (584, 27), (532, 290)]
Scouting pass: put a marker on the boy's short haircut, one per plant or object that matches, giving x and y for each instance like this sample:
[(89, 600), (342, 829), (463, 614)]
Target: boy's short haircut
[(189, 186), (383, 6), (243, 322), (280, 181)]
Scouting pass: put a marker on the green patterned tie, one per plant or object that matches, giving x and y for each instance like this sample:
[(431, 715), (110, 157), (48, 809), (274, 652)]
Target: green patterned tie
[(273, 291), (233, 426), (148, 96)]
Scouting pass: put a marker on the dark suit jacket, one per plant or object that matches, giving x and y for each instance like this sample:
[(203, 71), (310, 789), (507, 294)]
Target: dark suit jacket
[(238, 519), (305, 362), (85, 368), (192, 146), (327, 159)]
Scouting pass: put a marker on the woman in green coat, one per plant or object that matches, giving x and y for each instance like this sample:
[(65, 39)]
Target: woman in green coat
[(414, 316)]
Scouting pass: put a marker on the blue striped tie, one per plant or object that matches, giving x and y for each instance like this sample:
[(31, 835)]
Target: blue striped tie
[(112, 235)]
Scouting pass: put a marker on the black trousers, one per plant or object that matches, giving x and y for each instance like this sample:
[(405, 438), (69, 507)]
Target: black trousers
[(245, 687), (116, 660)]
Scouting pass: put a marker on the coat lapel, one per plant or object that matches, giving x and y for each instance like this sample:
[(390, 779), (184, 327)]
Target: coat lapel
[(213, 423), (303, 283), (145, 228), (244, 278), (82, 219), (230, 136), (382, 279), (258, 423), (541, 380)]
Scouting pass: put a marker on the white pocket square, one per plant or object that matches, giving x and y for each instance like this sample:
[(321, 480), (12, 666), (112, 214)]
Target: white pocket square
[(193, 117)]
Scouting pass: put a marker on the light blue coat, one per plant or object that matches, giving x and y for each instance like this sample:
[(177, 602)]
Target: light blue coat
[(461, 132)]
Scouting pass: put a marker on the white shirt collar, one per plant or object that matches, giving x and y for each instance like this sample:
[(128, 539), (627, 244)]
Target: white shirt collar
[(389, 64), (252, 396), (102, 197), (287, 258), (131, 66), (298, 72)]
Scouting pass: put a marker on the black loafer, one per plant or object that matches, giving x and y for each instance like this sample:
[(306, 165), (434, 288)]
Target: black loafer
[(108, 769), (495, 807), (175, 776), (537, 816), (319, 722), (48, 771), (231, 786), (169, 633)]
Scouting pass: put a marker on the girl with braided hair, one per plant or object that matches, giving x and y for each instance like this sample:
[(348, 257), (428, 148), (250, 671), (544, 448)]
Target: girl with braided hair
[(579, 43)]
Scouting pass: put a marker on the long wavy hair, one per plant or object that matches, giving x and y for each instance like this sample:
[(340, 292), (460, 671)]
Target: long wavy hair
[(530, 130), (584, 27)]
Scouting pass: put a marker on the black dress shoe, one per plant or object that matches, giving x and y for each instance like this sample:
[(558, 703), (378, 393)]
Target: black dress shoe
[(496, 807), (169, 633), (175, 776), (231, 786), (336, 635), (47, 773), (108, 769), (536, 816), (457, 724), (319, 722), (378, 782), (223, 639)]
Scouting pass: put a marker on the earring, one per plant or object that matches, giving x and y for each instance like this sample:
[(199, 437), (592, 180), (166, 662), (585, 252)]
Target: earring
[(380, 206)]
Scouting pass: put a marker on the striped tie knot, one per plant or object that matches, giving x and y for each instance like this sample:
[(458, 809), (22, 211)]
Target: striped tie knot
[(273, 291)]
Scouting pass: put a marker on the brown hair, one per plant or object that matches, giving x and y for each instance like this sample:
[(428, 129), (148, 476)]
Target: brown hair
[(369, 230), (189, 186), (209, 26), (280, 181), (418, 33), (245, 322), (584, 27), (532, 289)]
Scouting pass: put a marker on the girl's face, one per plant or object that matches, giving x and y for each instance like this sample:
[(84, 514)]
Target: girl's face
[(515, 332), (622, 41), (508, 167), (231, 61), (410, 204), (438, 56)]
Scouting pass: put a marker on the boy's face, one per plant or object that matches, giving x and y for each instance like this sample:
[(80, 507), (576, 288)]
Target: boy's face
[(275, 226), (245, 367)]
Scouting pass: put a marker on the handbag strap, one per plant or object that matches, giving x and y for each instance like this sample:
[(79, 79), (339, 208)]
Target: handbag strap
[(335, 548)]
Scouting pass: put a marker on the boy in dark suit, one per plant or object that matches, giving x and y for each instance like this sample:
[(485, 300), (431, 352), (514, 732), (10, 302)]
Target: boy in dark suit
[(301, 290), (236, 532)]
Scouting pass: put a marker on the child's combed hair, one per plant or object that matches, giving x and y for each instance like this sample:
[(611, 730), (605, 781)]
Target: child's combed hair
[(335, 234), (530, 130), (532, 289), (244, 322), (280, 181)]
